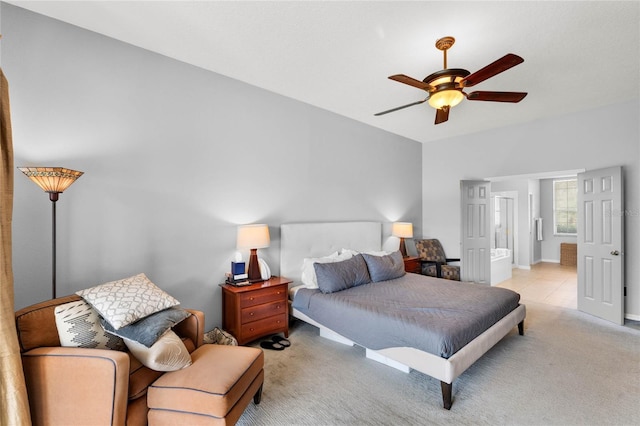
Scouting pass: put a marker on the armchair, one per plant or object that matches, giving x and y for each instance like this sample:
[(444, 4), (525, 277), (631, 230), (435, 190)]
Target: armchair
[(80, 386), (434, 262)]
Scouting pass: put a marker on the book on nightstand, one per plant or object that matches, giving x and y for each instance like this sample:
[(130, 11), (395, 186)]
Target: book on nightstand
[(238, 283), (237, 280)]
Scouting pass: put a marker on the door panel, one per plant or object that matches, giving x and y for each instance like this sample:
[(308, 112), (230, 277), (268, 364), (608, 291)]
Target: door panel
[(475, 252), (601, 243)]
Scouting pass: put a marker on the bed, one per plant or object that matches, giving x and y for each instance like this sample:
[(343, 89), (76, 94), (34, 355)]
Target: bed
[(444, 362)]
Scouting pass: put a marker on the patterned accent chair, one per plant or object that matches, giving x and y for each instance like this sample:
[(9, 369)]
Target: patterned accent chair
[(434, 262)]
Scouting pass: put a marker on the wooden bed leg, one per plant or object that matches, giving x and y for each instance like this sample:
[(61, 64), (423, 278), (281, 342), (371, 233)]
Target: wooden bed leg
[(446, 394), (521, 328)]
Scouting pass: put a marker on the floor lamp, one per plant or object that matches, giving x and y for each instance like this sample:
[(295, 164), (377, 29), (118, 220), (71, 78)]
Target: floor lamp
[(53, 180)]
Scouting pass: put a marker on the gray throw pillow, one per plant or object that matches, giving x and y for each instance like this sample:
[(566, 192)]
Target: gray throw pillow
[(149, 329), (342, 275), (383, 268)]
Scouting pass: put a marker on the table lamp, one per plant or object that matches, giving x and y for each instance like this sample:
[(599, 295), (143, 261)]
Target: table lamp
[(253, 237), (402, 230)]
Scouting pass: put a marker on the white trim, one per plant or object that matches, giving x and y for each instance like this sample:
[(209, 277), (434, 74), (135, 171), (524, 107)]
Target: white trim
[(632, 317), (541, 175), (550, 260), (527, 267)]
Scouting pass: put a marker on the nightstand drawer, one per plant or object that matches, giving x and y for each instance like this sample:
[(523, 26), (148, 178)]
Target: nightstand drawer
[(264, 295), (254, 313), (412, 264), (270, 325)]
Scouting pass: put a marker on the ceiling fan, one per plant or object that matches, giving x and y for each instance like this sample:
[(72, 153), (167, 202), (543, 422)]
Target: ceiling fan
[(445, 87)]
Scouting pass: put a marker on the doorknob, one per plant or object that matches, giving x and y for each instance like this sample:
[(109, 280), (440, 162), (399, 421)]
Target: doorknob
[(615, 252)]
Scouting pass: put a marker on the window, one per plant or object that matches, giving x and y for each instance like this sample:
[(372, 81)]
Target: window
[(565, 206)]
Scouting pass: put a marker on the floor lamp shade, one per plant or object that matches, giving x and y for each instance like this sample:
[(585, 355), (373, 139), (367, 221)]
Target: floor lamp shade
[(402, 230), (53, 180), (253, 237)]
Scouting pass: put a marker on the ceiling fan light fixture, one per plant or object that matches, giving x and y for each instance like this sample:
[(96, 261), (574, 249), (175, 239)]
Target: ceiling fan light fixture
[(445, 87), (451, 98)]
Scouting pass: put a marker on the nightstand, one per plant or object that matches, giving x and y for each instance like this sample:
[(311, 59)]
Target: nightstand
[(253, 311), (412, 264)]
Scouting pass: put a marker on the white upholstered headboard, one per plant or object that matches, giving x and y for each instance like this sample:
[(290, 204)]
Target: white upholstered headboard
[(300, 240)]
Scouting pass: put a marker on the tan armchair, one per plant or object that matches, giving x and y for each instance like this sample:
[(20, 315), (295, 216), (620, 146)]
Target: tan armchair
[(77, 386), (434, 262)]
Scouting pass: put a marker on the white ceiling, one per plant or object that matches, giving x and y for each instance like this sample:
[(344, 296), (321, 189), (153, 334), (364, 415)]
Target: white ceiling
[(337, 55)]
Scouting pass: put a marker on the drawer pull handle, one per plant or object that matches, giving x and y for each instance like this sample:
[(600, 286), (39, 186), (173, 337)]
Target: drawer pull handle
[(251, 314), (251, 298)]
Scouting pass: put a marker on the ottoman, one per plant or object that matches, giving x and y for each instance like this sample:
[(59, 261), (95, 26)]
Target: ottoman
[(214, 390)]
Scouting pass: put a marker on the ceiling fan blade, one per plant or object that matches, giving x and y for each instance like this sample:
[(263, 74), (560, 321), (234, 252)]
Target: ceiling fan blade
[(401, 107), (507, 61), (442, 114), (410, 81), (497, 96)]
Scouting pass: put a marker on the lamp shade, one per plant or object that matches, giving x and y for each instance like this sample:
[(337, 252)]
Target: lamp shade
[(253, 236), (51, 179), (402, 229), (446, 98)]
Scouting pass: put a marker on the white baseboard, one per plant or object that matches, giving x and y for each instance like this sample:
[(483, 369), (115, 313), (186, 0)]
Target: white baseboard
[(551, 260), (632, 317), (527, 267)]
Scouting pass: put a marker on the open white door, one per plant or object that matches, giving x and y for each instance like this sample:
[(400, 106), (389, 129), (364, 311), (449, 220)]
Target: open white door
[(600, 244), (475, 253)]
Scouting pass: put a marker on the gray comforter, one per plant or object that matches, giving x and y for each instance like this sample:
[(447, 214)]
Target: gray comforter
[(433, 315)]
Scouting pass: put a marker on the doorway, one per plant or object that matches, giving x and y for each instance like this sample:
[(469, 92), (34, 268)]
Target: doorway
[(504, 228)]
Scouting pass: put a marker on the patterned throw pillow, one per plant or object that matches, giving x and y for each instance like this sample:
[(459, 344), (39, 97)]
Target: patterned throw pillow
[(125, 301), (79, 326), (167, 354)]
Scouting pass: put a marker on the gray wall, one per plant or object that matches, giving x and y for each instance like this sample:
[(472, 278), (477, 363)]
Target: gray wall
[(594, 139), (175, 158)]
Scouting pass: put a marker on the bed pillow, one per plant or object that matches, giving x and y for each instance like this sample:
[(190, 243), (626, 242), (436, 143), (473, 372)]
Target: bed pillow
[(78, 326), (383, 268), (377, 253), (128, 300), (337, 276), (149, 329), (167, 354), (308, 277), (349, 251)]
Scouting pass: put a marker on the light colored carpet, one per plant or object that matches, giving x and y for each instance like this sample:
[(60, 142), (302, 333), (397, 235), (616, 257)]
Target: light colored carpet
[(568, 369)]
